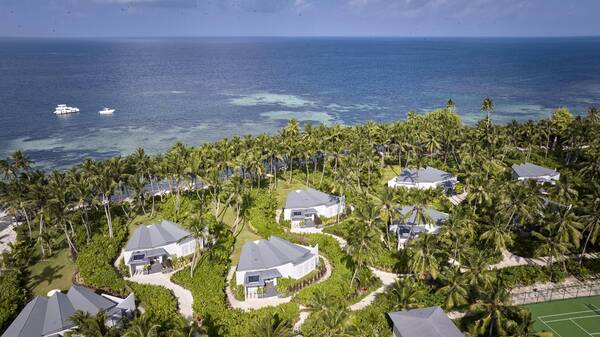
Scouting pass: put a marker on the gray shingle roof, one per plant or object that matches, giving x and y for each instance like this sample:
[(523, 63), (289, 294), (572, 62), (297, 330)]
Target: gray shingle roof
[(154, 236), (529, 170), (30, 321), (266, 254), (410, 215), (43, 316), (423, 175), (426, 322), (309, 198)]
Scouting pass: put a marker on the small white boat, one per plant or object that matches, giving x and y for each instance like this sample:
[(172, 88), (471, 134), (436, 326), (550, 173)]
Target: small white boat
[(63, 109), (106, 111)]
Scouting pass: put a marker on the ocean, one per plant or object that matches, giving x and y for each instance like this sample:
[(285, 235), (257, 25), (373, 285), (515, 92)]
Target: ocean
[(198, 90)]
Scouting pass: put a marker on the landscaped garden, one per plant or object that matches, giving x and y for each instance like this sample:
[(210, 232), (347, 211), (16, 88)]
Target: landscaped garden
[(71, 230)]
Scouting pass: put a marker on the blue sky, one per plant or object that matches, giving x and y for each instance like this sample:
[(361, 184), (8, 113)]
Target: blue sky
[(299, 17)]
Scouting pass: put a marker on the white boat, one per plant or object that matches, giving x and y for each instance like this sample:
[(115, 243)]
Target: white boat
[(63, 109), (106, 111)]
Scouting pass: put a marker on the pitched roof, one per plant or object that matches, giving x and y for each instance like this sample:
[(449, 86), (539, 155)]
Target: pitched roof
[(426, 322), (58, 312), (86, 300), (154, 236), (529, 170), (30, 321), (266, 254), (410, 214), (309, 198), (423, 175), (42, 316)]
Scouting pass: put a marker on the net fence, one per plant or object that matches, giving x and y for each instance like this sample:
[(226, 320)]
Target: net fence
[(556, 293)]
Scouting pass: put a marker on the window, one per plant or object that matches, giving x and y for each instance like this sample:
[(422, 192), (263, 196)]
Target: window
[(253, 278), (296, 213)]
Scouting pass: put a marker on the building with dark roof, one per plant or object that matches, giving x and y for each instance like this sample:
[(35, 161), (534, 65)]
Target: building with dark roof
[(304, 207), (151, 246), (540, 174), (43, 317), (411, 224), (423, 178), (262, 262), (426, 322)]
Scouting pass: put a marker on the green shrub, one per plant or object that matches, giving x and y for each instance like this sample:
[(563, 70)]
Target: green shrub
[(262, 214), (524, 275), (95, 261), (158, 302), (13, 296)]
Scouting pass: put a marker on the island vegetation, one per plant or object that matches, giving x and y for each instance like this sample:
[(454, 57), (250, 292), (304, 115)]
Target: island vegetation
[(73, 223)]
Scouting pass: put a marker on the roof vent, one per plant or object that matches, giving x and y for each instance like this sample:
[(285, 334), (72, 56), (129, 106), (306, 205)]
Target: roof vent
[(298, 191), (52, 292)]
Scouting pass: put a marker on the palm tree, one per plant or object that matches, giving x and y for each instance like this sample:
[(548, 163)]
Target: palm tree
[(551, 246), (358, 246), (493, 313), (592, 218), (185, 329), (453, 289), (525, 327), (497, 235), (406, 293), (142, 326), (199, 232), (422, 256), (271, 326), (487, 106), (87, 325)]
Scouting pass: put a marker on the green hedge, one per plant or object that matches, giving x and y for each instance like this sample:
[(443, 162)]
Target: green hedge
[(158, 302)]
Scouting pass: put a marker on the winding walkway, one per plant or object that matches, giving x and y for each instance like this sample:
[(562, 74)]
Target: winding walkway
[(386, 278), (184, 296)]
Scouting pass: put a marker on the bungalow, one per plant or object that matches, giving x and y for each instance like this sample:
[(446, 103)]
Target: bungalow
[(304, 207), (43, 317), (410, 226), (423, 178), (151, 246), (262, 262), (425, 322), (540, 174)]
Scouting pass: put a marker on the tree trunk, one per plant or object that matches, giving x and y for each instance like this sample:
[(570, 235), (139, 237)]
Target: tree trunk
[(108, 217), (28, 222)]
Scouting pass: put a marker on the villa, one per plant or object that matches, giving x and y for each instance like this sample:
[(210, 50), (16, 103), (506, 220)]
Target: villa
[(150, 247), (410, 227), (262, 262), (425, 322), (44, 317), (423, 178), (540, 174), (305, 207)]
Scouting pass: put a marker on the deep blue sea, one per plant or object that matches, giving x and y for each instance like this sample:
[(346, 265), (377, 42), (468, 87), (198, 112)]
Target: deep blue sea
[(202, 89)]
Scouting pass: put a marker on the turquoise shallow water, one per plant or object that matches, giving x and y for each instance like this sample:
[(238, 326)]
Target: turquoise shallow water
[(198, 90)]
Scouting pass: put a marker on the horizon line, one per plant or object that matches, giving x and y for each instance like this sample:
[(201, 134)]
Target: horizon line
[(301, 36)]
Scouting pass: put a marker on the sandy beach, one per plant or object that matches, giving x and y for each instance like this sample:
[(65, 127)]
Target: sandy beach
[(7, 233)]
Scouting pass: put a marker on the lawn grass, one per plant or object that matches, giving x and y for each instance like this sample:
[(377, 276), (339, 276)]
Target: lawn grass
[(143, 219), (284, 187), (579, 317), (389, 172), (55, 272)]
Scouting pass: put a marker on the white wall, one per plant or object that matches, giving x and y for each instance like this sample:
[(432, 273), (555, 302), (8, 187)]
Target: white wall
[(173, 249), (322, 210)]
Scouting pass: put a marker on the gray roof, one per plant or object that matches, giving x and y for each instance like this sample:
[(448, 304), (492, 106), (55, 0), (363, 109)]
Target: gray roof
[(410, 215), (308, 198), (529, 170), (30, 321), (266, 254), (43, 316), (155, 236), (426, 322), (263, 275), (423, 175), (143, 257)]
